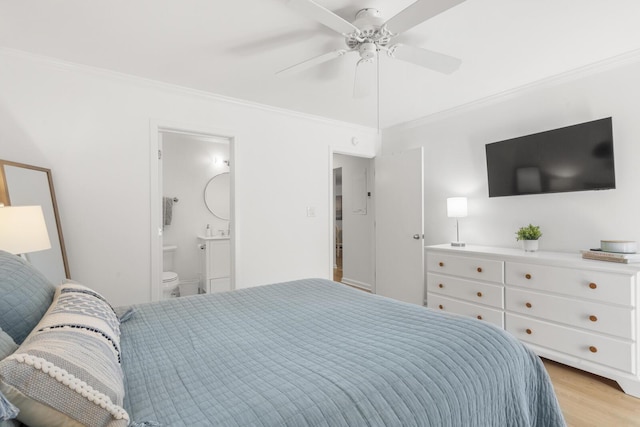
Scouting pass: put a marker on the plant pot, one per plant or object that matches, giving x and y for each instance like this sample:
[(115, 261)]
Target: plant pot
[(530, 245)]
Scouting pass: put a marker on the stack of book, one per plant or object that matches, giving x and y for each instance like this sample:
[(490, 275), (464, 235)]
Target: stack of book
[(611, 256)]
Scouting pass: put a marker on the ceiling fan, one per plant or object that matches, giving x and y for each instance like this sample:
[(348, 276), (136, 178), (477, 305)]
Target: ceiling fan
[(369, 34)]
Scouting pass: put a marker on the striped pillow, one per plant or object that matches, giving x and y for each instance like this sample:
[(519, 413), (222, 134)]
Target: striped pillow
[(67, 372)]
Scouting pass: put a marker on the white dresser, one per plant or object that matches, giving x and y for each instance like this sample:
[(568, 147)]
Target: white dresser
[(582, 313), (216, 263)]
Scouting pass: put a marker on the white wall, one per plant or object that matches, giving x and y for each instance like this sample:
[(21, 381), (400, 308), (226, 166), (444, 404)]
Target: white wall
[(91, 128), (358, 242), (455, 163), (187, 167)]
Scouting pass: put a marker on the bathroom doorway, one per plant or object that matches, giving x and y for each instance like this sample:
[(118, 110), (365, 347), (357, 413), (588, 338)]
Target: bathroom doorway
[(193, 212)]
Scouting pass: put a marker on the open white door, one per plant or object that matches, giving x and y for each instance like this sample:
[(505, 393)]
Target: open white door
[(399, 182)]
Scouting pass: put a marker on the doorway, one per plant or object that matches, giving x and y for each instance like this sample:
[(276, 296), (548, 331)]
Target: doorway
[(196, 203), (337, 224), (353, 221), (185, 225)]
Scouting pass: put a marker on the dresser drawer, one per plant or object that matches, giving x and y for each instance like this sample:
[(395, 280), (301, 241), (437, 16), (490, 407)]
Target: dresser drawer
[(595, 285), (603, 318), (438, 302), (588, 346), (476, 292), (473, 268)]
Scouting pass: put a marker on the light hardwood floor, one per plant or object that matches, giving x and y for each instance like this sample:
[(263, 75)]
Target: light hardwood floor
[(588, 400), (337, 270)]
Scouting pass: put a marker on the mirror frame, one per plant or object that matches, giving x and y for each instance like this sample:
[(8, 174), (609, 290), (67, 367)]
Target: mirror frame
[(205, 196), (6, 200)]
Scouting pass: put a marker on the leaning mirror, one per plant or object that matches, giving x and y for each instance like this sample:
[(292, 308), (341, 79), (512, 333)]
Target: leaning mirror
[(217, 195), (26, 185)]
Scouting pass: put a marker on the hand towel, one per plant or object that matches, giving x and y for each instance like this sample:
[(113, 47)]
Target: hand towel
[(167, 210)]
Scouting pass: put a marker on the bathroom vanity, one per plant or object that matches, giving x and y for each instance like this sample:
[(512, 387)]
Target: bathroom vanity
[(216, 263)]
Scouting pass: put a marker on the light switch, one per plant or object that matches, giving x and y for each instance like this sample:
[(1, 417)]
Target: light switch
[(311, 211)]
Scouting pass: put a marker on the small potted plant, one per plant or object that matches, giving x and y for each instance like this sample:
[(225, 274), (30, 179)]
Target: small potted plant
[(529, 236)]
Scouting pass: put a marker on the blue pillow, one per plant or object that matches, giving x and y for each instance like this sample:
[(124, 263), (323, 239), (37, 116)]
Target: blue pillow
[(25, 295), (7, 345)]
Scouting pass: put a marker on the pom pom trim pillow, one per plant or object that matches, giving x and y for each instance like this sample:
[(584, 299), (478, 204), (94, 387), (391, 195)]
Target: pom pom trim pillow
[(67, 372)]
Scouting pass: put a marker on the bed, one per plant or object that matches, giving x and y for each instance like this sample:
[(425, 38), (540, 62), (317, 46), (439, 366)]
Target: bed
[(303, 353)]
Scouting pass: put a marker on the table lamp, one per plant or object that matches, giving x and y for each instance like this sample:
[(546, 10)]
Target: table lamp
[(23, 230), (457, 208)]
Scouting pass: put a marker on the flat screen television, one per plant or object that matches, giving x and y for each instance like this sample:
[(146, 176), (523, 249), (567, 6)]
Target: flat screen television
[(572, 158)]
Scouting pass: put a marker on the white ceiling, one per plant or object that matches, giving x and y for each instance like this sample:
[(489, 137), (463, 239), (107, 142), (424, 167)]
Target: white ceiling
[(234, 48)]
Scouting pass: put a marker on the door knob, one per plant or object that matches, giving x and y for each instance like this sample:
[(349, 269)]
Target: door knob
[(416, 236)]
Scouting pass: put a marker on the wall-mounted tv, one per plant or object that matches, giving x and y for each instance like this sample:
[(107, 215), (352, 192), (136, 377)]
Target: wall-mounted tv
[(572, 158)]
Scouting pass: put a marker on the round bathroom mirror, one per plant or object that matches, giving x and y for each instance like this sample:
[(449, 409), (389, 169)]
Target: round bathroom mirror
[(217, 195)]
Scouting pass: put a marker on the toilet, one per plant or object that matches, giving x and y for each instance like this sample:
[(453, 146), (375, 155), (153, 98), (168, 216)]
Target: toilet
[(170, 279), (170, 282)]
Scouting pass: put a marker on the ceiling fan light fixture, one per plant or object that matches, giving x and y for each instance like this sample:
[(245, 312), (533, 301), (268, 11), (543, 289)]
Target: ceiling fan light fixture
[(368, 50)]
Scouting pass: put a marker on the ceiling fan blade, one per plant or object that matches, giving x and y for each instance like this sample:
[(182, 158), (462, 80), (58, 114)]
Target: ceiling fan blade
[(312, 62), (417, 13), (313, 10), (425, 58), (365, 78)]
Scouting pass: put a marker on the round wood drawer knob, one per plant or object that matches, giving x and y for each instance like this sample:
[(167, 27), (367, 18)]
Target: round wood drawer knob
[(528, 305), (593, 349), (527, 276), (441, 307), (593, 285), (441, 264), (529, 331), (479, 317), (593, 318), (479, 269), (479, 294), (441, 286)]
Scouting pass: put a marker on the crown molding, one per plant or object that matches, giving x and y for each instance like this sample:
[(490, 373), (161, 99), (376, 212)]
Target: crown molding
[(565, 77), (587, 70), (184, 90)]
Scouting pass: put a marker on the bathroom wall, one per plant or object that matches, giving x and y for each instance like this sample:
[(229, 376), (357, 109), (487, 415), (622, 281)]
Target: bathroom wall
[(187, 166)]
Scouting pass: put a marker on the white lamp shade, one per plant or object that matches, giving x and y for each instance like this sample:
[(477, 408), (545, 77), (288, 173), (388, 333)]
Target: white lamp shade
[(457, 207), (23, 230)]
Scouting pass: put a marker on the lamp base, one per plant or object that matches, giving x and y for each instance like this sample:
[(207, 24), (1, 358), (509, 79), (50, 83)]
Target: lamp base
[(458, 244)]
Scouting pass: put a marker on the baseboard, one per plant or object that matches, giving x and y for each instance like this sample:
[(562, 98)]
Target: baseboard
[(357, 284)]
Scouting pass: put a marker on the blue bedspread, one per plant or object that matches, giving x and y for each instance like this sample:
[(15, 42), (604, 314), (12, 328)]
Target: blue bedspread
[(317, 353)]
